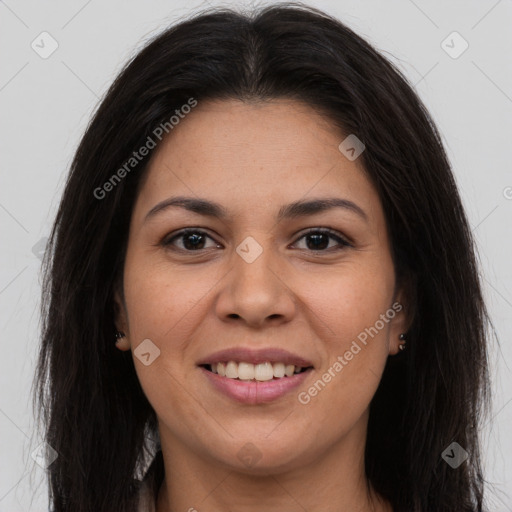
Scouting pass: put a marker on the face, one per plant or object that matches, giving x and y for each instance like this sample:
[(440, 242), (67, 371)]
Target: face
[(312, 287)]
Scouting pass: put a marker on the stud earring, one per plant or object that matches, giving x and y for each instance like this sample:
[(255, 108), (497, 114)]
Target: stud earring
[(403, 339), (119, 335)]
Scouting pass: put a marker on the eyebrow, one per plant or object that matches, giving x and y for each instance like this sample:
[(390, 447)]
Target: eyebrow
[(290, 211)]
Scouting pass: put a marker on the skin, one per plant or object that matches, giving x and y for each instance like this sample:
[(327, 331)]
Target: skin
[(252, 158)]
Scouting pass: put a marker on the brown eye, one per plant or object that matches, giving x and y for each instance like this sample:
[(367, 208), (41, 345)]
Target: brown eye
[(319, 239), (191, 240)]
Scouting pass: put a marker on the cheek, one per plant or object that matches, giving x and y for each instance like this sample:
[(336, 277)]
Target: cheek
[(348, 307), (162, 298), (164, 305), (349, 299)]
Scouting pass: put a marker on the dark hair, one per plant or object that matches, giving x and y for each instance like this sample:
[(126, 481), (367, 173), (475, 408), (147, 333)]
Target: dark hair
[(96, 415)]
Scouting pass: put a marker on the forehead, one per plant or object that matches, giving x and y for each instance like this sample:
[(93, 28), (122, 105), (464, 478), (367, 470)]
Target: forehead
[(255, 153)]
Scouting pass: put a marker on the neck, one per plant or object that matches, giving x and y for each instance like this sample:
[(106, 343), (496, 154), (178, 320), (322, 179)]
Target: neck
[(334, 481), (269, 495)]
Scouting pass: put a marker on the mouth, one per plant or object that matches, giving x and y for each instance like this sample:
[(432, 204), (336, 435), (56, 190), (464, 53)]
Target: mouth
[(261, 372), (253, 377)]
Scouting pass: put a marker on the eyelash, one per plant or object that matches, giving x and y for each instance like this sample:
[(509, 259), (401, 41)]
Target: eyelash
[(324, 231)]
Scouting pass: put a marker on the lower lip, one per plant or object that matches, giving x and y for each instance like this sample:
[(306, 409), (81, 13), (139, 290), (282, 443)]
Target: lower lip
[(255, 392)]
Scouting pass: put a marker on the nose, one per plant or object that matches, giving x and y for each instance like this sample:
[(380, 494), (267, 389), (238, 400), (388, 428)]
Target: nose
[(255, 292)]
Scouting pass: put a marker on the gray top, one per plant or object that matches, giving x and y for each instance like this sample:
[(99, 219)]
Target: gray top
[(146, 498), (150, 484)]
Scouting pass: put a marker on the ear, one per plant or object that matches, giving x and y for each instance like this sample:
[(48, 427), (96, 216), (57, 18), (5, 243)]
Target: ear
[(404, 308), (121, 319)]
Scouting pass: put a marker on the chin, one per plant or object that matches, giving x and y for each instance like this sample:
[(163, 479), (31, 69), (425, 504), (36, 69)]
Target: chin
[(264, 457)]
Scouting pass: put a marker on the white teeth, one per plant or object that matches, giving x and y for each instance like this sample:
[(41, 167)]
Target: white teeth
[(263, 371), (278, 370), (289, 370), (232, 370), (245, 371), (260, 372)]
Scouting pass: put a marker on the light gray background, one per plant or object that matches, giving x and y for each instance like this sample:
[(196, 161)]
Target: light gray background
[(46, 103)]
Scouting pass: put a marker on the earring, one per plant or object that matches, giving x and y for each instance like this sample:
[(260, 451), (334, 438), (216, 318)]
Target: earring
[(119, 335), (403, 339)]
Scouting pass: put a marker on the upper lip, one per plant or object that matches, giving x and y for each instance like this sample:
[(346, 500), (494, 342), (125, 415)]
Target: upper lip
[(247, 355)]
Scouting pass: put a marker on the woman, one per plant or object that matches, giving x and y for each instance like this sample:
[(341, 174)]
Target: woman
[(262, 280)]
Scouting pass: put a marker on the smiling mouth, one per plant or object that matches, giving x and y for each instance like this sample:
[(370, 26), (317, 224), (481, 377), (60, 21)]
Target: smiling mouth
[(261, 372)]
